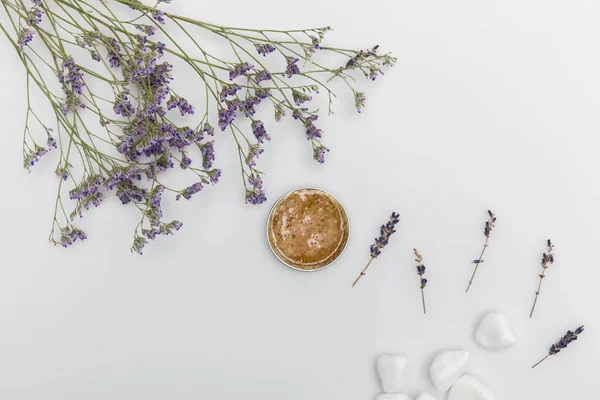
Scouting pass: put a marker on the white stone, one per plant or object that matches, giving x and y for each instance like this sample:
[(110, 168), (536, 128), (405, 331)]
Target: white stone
[(426, 396), (469, 388), (390, 368), (392, 396), (446, 367), (494, 332)]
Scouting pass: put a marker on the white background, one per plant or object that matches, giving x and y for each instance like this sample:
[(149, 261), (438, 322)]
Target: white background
[(491, 105)]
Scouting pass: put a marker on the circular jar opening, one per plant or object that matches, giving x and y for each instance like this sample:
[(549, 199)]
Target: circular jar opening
[(308, 229)]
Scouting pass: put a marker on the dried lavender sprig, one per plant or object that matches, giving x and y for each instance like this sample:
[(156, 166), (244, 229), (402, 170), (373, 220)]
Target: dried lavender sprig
[(547, 260), (421, 272), (489, 226), (561, 344), (386, 231)]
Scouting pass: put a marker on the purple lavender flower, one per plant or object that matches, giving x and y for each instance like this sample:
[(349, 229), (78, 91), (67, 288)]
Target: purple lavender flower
[(260, 132), (300, 97), (239, 70), (189, 191), (562, 343), (208, 154), (180, 103), (34, 16), (37, 2), (359, 100), (312, 132), (159, 16), (319, 153), (185, 160), (114, 55), (71, 77), (261, 76), (122, 104), (229, 90), (25, 36), (214, 175), (147, 29), (292, 67), (226, 117), (33, 156), (253, 153), (386, 231), (208, 129), (373, 73), (421, 272), (70, 234), (316, 43), (51, 143), (256, 195), (264, 48)]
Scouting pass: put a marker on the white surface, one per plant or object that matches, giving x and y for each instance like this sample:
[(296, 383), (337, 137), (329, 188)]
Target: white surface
[(470, 388), (392, 369), (446, 367), (494, 332), (492, 105), (426, 396), (392, 396)]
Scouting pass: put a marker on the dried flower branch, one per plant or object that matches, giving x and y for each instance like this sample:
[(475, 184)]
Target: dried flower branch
[(547, 260), (489, 226), (562, 343), (386, 231), (421, 272), (114, 63)]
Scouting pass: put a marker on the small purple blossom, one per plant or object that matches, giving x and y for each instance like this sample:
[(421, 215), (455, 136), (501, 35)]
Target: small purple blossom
[(239, 70), (147, 29), (180, 103), (208, 154), (214, 175), (261, 76), (264, 48), (159, 16), (185, 160), (359, 100), (34, 16), (260, 132), (253, 153), (226, 117), (319, 153), (189, 191), (208, 129), (256, 195), (300, 97), (70, 234), (229, 90), (122, 104), (292, 67), (25, 37)]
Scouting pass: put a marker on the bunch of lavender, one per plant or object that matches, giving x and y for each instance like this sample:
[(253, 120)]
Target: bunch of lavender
[(489, 226), (113, 64), (562, 343), (385, 232), (421, 272), (547, 260)]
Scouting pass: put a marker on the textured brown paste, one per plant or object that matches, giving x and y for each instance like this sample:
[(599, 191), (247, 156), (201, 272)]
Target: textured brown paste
[(308, 229)]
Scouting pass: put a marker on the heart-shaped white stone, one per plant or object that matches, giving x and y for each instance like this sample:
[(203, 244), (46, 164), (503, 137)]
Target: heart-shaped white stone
[(469, 388), (426, 396), (390, 368), (392, 396), (494, 332), (446, 367)]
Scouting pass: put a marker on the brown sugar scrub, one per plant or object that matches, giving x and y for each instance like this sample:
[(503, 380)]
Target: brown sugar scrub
[(308, 229)]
